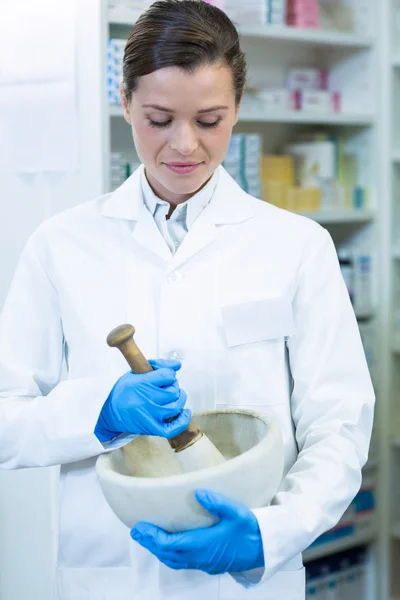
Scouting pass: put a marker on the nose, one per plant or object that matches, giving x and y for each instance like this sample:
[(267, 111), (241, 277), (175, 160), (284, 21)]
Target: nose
[(184, 139)]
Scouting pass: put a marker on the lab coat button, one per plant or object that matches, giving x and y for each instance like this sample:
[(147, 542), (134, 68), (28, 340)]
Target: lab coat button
[(175, 355), (175, 277)]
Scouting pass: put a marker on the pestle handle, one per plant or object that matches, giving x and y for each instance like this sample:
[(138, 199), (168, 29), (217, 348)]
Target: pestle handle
[(122, 338)]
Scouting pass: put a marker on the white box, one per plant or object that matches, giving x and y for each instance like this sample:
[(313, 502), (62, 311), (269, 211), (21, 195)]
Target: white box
[(317, 101), (316, 161), (278, 99), (306, 79)]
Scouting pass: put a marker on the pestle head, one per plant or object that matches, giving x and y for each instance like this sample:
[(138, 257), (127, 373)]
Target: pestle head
[(120, 334), (201, 455)]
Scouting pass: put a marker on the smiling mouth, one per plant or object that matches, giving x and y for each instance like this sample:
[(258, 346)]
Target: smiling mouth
[(182, 168)]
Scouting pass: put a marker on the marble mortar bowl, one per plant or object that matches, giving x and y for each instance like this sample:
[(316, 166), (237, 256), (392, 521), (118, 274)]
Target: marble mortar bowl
[(144, 482)]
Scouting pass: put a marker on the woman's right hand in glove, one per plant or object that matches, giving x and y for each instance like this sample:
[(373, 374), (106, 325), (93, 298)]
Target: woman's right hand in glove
[(140, 404)]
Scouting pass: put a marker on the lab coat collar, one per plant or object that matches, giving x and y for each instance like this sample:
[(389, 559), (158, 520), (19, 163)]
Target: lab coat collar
[(186, 212), (228, 204)]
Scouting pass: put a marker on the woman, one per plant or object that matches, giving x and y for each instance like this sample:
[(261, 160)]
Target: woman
[(169, 251)]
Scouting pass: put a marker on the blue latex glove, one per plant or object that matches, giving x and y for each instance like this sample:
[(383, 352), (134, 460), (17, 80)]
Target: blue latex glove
[(139, 404), (232, 545)]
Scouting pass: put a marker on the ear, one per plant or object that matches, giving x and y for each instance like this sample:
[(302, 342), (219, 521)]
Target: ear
[(125, 105)]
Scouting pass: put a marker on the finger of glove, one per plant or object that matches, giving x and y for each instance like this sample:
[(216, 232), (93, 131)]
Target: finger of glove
[(186, 546), (165, 395), (161, 363), (161, 377), (177, 566), (221, 506), (153, 536), (172, 408), (157, 551), (177, 426), (132, 394)]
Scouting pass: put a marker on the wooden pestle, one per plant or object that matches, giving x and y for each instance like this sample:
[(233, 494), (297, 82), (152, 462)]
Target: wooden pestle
[(122, 338)]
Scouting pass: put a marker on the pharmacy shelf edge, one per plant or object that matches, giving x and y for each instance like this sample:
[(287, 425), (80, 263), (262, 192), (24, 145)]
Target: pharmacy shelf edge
[(344, 216), (294, 117), (328, 549)]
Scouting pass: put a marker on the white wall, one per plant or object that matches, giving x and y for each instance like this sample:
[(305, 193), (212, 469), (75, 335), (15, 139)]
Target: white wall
[(28, 497)]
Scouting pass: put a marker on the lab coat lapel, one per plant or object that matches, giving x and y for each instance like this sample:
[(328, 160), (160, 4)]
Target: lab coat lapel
[(127, 200), (202, 233), (149, 237), (127, 203), (230, 205)]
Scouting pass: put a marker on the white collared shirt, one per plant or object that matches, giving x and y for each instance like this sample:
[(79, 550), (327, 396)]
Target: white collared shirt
[(176, 227)]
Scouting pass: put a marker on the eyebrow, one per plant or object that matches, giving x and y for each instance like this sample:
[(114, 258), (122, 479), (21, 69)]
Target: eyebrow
[(169, 110)]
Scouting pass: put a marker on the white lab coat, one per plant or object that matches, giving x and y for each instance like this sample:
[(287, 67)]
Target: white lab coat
[(293, 352)]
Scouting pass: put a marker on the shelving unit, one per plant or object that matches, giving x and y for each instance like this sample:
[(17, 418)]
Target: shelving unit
[(352, 59), (338, 546), (390, 416)]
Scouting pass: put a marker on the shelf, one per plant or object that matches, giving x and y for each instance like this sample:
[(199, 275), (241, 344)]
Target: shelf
[(306, 36), (364, 315), (352, 541), (287, 117), (396, 157), (299, 117), (396, 60), (396, 530), (278, 33), (396, 254), (340, 216), (370, 465)]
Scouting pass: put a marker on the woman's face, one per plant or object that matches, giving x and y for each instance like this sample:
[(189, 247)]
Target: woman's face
[(181, 126)]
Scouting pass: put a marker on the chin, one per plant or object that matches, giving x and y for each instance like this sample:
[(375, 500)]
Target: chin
[(188, 185)]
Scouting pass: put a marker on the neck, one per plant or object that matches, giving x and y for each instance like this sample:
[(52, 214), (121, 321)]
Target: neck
[(164, 194)]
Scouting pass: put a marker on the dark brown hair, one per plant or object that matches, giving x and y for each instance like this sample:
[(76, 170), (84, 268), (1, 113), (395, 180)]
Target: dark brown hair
[(185, 34)]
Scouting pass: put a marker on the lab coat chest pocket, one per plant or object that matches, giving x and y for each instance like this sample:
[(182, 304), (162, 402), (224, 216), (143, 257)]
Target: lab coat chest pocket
[(252, 365)]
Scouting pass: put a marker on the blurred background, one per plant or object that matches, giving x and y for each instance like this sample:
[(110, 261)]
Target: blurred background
[(319, 134)]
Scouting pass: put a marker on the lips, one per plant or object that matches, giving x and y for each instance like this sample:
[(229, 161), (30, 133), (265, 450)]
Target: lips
[(182, 168)]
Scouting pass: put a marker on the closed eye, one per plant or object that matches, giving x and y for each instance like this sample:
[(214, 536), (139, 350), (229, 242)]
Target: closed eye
[(164, 124)]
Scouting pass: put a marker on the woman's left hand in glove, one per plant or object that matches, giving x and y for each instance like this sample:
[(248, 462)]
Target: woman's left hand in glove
[(232, 545)]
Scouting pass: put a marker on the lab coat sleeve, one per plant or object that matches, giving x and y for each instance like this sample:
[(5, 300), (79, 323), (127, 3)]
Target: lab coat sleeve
[(43, 421), (332, 410)]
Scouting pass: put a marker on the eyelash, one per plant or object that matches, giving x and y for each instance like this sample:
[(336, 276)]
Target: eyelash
[(165, 124)]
